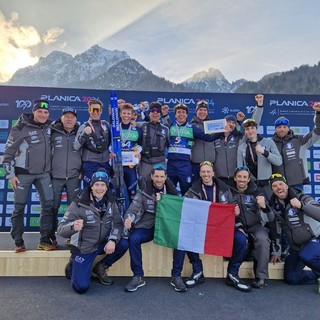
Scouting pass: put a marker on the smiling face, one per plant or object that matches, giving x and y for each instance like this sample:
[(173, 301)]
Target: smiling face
[(68, 120), (95, 111), (206, 174), (126, 115), (242, 179), (159, 178), (231, 124), (40, 115), (181, 115), (99, 189), (280, 189), (202, 113)]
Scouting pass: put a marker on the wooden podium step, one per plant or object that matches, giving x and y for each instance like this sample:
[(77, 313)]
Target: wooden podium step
[(157, 262)]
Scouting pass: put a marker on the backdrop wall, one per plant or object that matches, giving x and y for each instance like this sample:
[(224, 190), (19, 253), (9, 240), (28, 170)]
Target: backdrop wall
[(16, 100)]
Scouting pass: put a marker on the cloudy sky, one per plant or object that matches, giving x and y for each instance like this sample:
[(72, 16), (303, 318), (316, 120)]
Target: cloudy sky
[(173, 38)]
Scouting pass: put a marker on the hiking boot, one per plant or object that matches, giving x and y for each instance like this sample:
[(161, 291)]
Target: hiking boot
[(258, 283), (236, 282), (196, 278), (19, 247), (68, 269), (178, 284), (134, 284), (47, 245), (100, 272)]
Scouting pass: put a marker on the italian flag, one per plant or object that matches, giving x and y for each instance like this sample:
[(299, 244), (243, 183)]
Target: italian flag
[(195, 225)]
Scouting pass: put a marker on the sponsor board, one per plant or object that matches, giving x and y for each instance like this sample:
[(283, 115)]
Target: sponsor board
[(10, 196), (307, 189), (316, 165), (62, 209), (34, 221), (2, 172), (35, 209), (300, 130), (4, 136), (4, 124), (317, 189), (35, 197)]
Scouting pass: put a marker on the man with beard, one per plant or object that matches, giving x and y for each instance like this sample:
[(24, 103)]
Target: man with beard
[(298, 216)]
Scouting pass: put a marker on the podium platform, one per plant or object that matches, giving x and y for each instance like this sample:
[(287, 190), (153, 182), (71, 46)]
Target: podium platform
[(157, 261)]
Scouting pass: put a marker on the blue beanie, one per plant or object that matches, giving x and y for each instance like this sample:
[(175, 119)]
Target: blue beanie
[(230, 118)]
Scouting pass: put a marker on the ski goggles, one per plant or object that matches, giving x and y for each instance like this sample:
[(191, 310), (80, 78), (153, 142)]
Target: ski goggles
[(206, 163), (160, 166), (94, 109), (202, 104), (281, 122), (100, 174), (240, 168), (43, 104), (277, 177)]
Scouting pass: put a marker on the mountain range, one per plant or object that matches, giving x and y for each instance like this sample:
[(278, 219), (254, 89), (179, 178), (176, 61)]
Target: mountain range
[(99, 68)]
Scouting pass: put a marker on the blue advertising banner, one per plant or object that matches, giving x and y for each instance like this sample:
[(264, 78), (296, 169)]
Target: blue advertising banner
[(16, 100)]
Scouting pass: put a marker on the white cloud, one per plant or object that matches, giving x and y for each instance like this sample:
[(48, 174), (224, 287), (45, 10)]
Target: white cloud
[(15, 44), (52, 35)]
